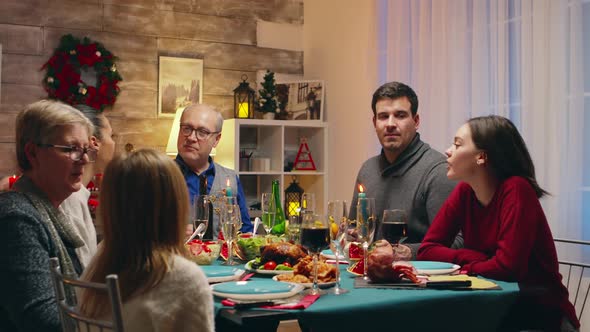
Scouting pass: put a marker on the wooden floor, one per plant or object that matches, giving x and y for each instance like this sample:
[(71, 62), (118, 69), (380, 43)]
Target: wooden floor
[(289, 326)]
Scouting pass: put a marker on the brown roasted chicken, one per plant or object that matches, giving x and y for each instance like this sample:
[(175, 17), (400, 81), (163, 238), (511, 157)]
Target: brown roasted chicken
[(384, 264), (282, 252)]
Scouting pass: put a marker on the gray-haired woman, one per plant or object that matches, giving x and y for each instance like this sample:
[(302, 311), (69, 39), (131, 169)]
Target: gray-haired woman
[(52, 148)]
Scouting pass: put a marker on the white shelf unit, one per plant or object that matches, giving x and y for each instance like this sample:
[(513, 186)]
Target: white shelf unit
[(278, 140)]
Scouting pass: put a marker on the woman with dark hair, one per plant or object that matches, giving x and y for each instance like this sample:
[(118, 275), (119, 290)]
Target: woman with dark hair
[(144, 223), (506, 233)]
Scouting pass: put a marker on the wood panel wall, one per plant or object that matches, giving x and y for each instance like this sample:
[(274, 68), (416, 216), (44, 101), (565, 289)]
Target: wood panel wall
[(221, 32)]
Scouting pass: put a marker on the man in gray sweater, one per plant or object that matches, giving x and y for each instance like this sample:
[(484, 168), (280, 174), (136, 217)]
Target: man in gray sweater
[(408, 174)]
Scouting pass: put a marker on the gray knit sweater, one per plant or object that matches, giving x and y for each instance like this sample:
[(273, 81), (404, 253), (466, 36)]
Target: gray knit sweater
[(27, 300), (416, 182)]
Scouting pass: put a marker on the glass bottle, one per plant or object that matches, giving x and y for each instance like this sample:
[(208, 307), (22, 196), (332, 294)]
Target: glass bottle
[(279, 227)]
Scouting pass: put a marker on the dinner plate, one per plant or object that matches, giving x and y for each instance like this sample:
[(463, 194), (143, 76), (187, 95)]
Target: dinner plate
[(256, 289), (330, 255), (248, 267), (308, 284), (215, 273), (434, 268)]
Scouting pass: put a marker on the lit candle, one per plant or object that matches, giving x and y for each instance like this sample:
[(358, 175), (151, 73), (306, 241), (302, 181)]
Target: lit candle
[(243, 110), (362, 191), (228, 191), (363, 204), (11, 181)]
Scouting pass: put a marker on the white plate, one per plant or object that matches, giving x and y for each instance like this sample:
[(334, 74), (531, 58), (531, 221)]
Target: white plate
[(330, 255), (216, 273), (308, 284), (434, 268), (248, 267), (256, 290)]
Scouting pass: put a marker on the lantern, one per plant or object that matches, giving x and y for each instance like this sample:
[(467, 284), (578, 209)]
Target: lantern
[(244, 100), (293, 195)]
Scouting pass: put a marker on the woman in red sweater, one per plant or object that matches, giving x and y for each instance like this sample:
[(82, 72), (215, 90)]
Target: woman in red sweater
[(506, 234)]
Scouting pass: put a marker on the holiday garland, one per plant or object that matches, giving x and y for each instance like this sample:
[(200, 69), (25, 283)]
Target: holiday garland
[(63, 80)]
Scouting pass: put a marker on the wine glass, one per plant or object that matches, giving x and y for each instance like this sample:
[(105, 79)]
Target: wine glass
[(269, 211), (200, 214), (294, 228), (307, 203), (230, 224), (337, 211), (394, 226), (365, 226), (315, 237)]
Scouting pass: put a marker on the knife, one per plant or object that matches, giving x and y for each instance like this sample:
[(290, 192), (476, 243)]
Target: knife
[(449, 284), (247, 305)]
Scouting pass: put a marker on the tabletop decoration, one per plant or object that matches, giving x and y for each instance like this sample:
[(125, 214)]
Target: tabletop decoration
[(63, 76), (11, 181), (268, 102)]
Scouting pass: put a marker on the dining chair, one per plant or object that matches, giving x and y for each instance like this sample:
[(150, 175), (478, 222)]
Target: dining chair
[(71, 317), (576, 274)]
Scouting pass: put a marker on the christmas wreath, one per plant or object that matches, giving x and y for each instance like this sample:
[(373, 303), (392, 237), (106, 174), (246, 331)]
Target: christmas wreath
[(63, 73)]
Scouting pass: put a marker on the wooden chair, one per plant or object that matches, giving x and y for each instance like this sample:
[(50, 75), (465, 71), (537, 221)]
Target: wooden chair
[(576, 275), (71, 318)]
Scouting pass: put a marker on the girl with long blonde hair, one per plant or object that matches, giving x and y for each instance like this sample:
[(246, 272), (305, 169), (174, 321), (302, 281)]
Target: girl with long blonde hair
[(144, 208)]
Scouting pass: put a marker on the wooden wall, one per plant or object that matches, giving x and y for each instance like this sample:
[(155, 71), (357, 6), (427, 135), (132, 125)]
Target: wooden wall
[(221, 32)]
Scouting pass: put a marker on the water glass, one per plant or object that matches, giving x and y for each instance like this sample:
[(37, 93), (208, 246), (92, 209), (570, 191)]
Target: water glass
[(365, 226), (200, 213), (307, 203), (337, 215), (230, 225)]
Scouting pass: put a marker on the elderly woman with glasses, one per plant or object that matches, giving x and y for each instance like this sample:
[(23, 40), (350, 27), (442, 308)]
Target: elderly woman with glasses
[(52, 150)]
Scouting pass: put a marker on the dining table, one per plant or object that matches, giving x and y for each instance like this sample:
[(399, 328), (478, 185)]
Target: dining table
[(407, 309)]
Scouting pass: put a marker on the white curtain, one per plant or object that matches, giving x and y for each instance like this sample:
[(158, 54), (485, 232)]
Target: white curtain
[(519, 59)]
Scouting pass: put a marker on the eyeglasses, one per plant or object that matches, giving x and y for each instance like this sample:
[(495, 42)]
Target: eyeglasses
[(200, 133), (76, 153)]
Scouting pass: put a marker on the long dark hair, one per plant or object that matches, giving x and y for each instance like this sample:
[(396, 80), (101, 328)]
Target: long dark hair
[(506, 151)]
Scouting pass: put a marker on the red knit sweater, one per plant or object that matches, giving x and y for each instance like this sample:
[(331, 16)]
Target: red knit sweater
[(507, 240)]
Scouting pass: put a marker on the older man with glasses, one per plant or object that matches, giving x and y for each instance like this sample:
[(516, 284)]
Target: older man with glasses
[(200, 132)]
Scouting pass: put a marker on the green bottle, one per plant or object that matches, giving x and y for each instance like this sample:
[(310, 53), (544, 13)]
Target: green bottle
[(279, 227)]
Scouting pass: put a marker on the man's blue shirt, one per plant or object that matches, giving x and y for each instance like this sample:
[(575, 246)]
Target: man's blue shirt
[(193, 182)]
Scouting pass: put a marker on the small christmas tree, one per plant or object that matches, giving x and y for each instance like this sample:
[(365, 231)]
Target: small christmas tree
[(268, 101)]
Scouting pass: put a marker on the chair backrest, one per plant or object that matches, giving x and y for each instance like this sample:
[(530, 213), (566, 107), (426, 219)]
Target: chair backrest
[(576, 275), (71, 317)]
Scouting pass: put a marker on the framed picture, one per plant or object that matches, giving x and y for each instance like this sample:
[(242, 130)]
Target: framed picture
[(301, 100), (180, 83)]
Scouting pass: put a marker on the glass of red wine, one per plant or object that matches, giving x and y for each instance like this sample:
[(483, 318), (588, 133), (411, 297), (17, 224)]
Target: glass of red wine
[(394, 226), (315, 237)]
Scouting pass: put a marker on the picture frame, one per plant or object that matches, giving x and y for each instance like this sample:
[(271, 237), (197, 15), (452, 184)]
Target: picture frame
[(301, 99), (180, 83)]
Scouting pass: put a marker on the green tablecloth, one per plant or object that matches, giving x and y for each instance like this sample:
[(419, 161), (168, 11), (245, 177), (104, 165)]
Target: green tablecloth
[(411, 309)]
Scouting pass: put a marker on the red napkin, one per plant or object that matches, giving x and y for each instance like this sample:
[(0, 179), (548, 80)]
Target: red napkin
[(305, 302)]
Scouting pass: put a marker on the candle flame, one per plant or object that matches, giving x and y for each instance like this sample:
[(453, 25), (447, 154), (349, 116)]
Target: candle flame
[(361, 188), (227, 182)]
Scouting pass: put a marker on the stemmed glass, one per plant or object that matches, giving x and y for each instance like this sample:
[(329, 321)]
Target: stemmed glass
[(269, 211), (315, 237), (230, 224), (365, 226), (293, 228), (337, 211), (394, 226), (200, 213), (307, 203)]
